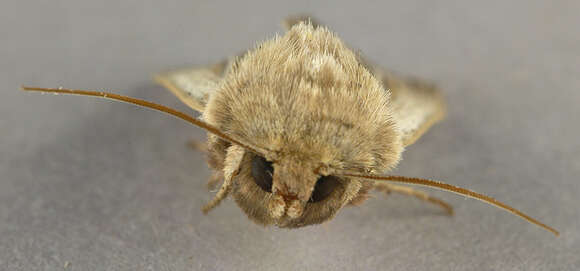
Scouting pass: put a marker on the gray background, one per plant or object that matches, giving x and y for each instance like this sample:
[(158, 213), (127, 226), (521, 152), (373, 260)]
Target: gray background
[(88, 184)]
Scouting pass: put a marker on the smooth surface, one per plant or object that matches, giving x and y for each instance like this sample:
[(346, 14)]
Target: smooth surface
[(88, 184)]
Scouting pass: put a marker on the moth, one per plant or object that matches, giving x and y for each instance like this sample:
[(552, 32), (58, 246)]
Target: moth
[(301, 126)]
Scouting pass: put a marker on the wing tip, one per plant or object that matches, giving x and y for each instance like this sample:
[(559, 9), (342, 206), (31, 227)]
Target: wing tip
[(435, 118), (163, 80)]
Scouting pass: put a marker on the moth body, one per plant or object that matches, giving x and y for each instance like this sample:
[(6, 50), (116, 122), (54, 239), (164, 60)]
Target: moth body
[(301, 126), (308, 100)]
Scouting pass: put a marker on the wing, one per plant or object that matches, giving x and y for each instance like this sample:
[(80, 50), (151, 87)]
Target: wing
[(416, 105), (194, 85)]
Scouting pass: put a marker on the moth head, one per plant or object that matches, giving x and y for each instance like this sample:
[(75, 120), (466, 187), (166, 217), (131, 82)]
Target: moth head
[(289, 193), (291, 183)]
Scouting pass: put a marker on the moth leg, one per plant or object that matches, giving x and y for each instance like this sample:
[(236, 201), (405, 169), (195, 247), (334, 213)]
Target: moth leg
[(388, 188), (197, 145), (214, 179), (231, 169), (216, 176)]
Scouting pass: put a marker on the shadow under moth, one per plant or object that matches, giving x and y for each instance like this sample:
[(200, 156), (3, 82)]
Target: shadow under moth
[(301, 126)]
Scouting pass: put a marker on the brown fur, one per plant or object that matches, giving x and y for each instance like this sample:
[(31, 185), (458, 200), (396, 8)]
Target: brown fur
[(307, 98)]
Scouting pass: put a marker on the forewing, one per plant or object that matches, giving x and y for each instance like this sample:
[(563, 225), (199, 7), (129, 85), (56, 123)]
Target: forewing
[(416, 105), (193, 85)]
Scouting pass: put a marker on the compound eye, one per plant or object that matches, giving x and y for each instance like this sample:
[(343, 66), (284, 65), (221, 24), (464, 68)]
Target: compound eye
[(323, 188), (262, 172)]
